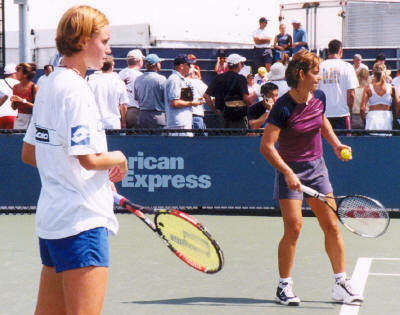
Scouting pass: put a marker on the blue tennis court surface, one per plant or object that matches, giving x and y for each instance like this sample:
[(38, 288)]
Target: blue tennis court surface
[(146, 278)]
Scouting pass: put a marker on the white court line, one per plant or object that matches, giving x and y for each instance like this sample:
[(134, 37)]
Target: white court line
[(358, 281), (384, 274)]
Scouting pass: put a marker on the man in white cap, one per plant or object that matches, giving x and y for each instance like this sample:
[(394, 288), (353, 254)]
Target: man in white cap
[(7, 114), (129, 75), (231, 95), (299, 36), (277, 76), (149, 92)]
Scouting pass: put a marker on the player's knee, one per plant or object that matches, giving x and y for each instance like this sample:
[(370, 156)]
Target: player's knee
[(331, 229), (292, 230)]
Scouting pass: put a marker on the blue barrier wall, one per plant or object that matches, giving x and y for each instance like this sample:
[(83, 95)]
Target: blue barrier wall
[(213, 171)]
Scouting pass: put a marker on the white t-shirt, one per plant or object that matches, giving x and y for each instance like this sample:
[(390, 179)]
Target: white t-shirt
[(66, 123), (396, 83), (41, 80), (129, 77), (5, 109), (262, 33), (199, 88), (337, 76), (110, 92), (282, 87)]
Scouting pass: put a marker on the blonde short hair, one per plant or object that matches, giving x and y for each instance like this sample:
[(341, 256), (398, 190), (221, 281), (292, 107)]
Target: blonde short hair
[(77, 24)]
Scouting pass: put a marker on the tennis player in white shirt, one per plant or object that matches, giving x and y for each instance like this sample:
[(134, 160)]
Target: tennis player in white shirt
[(67, 143)]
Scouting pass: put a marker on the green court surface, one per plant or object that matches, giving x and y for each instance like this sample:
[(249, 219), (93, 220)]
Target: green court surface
[(146, 278)]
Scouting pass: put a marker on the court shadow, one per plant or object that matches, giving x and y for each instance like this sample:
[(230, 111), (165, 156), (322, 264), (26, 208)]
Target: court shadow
[(204, 300), (226, 301)]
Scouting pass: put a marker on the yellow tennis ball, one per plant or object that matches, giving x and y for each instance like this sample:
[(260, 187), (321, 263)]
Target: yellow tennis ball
[(345, 154)]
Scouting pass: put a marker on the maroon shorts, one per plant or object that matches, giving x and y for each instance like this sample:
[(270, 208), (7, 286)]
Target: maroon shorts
[(311, 173)]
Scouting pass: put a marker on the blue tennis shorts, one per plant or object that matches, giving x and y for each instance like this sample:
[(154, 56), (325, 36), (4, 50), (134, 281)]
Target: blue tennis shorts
[(89, 248), (311, 173)]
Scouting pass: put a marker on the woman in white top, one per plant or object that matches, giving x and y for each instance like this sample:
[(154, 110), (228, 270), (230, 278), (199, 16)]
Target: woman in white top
[(363, 80), (67, 143), (379, 96)]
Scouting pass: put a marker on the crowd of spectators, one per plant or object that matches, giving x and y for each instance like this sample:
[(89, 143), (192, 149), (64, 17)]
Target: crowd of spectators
[(140, 97)]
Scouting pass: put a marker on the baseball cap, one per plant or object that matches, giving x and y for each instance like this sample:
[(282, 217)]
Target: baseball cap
[(234, 59), (182, 59), (135, 54), (262, 71), (296, 21), (10, 68), (277, 72), (153, 59)]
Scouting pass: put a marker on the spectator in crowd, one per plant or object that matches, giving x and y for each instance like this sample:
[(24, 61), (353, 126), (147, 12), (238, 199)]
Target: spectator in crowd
[(252, 86), (7, 114), (24, 94), (129, 75), (262, 39), (277, 77), (110, 95), (56, 59), (195, 65), (284, 60), (149, 93), (261, 76), (258, 112), (47, 70), (299, 37), (338, 83), (198, 88), (363, 81), (381, 59), (231, 95), (396, 81), (358, 64), (379, 95), (221, 66), (178, 96), (282, 43)]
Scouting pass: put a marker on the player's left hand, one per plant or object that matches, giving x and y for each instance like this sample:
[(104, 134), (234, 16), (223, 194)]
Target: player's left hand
[(115, 174)]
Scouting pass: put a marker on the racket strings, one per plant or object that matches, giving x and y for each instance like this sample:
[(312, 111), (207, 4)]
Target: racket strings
[(363, 215), (190, 241)]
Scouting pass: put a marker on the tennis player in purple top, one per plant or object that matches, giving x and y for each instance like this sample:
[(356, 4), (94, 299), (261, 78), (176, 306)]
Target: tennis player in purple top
[(296, 123)]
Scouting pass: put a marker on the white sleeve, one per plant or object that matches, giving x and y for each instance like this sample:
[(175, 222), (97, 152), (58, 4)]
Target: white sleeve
[(82, 123), (30, 134), (352, 81), (124, 98)]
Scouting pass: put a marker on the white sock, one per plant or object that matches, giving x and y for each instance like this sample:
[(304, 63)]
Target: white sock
[(340, 275), (285, 280)]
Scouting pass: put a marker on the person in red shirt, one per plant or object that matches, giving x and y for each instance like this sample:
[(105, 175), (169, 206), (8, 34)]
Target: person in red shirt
[(24, 94)]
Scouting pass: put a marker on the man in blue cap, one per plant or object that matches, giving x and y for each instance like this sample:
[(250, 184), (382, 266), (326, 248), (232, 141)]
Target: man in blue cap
[(149, 93), (179, 96)]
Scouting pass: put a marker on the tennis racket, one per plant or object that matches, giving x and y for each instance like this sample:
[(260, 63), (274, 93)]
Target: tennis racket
[(361, 215), (184, 236)]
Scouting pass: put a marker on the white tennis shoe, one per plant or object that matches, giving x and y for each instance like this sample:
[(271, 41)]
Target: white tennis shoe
[(343, 291), (285, 294)]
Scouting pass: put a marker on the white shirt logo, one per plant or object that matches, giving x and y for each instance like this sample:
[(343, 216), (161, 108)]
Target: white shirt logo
[(80, 135)]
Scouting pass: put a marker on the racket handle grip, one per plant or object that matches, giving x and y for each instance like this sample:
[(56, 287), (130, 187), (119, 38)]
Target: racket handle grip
[(117, 198), (310, 191)]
